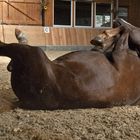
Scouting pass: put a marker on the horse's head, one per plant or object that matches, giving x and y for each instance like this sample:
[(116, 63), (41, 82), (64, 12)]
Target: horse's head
[(104, 41)]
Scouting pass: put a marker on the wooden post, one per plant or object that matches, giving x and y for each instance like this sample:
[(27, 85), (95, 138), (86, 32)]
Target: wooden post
[(43, 11), (43, 17), (116, 7)]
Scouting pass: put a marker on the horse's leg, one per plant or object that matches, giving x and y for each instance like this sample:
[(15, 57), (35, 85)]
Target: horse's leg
[(22, 40), (9, 66), (122, 22), (21, 37)]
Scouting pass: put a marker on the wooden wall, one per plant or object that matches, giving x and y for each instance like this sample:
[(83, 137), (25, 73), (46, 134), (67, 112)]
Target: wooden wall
[(70, 36), (133, 10), (49, 12), (20, 12), (56, 36), (28, 12)]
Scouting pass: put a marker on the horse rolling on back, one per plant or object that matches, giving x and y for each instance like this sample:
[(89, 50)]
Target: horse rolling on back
[(81, 79)]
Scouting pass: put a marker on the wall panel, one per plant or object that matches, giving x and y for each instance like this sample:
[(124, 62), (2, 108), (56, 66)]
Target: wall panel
[(21, 12), (70, 36), (56, 36), (49, 13), (134, 12)]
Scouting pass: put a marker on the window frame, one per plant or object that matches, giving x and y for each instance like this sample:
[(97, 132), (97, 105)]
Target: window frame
[(93, 15), (71, 18), (111, 16)]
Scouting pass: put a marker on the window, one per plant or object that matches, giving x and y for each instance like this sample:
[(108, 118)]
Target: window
[(83, 13), (103, 15), (62, 12), (123, 13)]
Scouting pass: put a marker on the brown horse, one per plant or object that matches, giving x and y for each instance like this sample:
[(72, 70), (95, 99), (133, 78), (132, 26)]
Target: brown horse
[(103, 40), (134, 37), (79, 79), (107, 39)]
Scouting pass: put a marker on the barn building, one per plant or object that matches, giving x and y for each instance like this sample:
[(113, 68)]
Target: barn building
[(65, 23)]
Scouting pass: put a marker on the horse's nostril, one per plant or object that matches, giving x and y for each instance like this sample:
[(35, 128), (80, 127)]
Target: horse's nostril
[(96, 41)]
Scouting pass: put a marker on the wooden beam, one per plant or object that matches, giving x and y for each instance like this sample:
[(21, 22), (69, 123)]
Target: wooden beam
[(116, 7)]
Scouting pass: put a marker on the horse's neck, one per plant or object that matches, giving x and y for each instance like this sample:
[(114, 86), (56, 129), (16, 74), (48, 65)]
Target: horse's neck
[(119, 53)]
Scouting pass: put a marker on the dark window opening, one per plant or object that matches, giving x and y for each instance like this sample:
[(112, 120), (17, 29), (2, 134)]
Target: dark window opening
[(83, 14), (62, 12), (123, 13), (103, 15)]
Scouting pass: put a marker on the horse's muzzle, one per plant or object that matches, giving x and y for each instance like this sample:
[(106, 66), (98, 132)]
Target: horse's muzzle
[(97, 41)]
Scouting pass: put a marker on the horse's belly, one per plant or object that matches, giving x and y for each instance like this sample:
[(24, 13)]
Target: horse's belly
[(102, 77)]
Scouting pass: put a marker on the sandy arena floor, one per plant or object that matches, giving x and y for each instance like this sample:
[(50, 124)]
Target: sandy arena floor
[(118, 123)]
